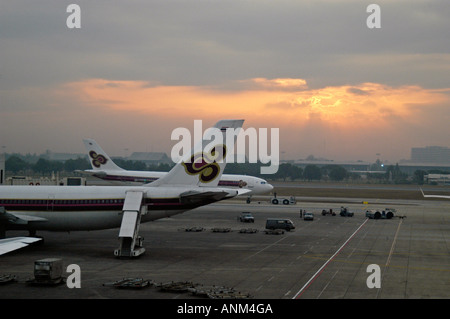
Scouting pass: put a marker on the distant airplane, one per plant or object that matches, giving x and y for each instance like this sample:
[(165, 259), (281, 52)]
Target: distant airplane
[(191, 183), (103, 167), (434, 196)]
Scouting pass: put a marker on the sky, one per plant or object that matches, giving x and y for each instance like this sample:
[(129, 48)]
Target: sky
[(136, 70)]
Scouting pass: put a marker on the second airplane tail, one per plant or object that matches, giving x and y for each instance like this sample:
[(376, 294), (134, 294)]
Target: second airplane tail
[(98, 158)]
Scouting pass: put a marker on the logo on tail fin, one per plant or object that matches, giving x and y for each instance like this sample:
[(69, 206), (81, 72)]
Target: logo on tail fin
[(97, 159), (205, 164)]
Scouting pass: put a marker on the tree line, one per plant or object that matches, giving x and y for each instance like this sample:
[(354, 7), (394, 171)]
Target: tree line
[(17, 165), (289, 172), (286, 171)]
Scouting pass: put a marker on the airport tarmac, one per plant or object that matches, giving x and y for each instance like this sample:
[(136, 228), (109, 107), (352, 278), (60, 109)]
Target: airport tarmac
[(326, 258)]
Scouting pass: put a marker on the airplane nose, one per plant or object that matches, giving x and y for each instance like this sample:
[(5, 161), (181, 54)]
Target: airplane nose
[(269, 187)]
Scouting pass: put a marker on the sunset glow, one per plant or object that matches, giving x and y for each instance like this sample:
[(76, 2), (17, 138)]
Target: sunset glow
[(340, 105), (321, 121)]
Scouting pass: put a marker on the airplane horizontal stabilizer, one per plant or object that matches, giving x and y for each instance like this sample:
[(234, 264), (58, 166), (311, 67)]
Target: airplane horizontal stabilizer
[(18, 218), (10, 244)]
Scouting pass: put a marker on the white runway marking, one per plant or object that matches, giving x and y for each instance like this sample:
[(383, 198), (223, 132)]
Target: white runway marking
[(265, 248), (308, 283)]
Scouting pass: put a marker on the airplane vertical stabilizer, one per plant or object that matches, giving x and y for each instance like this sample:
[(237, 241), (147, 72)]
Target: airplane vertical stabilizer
[(205, 164), (98, 158)]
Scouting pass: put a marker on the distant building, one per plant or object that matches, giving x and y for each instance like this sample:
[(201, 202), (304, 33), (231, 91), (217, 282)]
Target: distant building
[(430, 154), (443, 179), (49, 155), (66, 156)]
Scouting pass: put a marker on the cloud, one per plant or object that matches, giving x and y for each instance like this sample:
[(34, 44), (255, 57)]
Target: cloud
[(357, 116), (339, 122), (182, 43), (278, 84), (312, 68), (357, 91)]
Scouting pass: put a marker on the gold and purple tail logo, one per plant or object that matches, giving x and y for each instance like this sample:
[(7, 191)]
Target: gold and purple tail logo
[(205, 164), (97, 159)]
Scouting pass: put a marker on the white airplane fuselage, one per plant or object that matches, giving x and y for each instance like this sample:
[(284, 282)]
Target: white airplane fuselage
[(70, 208), (257, 186)]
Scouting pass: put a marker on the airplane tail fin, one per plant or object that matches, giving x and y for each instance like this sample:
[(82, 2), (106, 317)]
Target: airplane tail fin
[(205, 164), (98, 158)]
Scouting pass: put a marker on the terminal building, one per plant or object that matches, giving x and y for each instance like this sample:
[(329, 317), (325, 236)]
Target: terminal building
[(430, 154), (439, 179)]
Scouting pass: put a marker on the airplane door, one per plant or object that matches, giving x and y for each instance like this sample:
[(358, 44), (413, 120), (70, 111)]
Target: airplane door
[(50, 202)]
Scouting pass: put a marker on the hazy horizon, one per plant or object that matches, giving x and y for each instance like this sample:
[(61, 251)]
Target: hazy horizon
[(128, 154)]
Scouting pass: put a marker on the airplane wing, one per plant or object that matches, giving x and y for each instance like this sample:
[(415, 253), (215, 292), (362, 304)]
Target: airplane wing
[(91, 172), (195, 196), (434, 196), (10, 244)]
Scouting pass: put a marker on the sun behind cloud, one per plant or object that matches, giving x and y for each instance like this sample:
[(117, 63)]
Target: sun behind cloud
[(356, 113), (268, 97)]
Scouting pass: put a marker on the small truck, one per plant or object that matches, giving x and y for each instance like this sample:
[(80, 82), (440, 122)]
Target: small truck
[(246, 217), (48, 271)]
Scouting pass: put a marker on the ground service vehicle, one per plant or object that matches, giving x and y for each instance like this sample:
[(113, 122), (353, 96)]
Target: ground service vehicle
[(48, 271), (246, 217), (345, 212), (384, 214), (308, 216), (285, 201), (328, 212), (279, 223)]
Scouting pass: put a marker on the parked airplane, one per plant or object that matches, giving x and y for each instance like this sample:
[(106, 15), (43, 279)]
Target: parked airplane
[(434, 196), (103, 167), (191, 183)]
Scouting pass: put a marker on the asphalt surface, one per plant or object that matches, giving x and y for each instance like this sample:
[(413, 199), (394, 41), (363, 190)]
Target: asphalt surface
[(326, 258)]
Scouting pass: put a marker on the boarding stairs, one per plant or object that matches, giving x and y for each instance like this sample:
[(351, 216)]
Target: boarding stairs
[(130, 241)]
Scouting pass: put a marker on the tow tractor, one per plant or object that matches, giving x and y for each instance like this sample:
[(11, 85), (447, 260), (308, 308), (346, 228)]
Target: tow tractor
[(285, 201), (387, 213)]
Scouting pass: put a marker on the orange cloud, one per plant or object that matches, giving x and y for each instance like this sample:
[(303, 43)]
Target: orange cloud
[(272, 101), (348, 120), (283, 103)]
